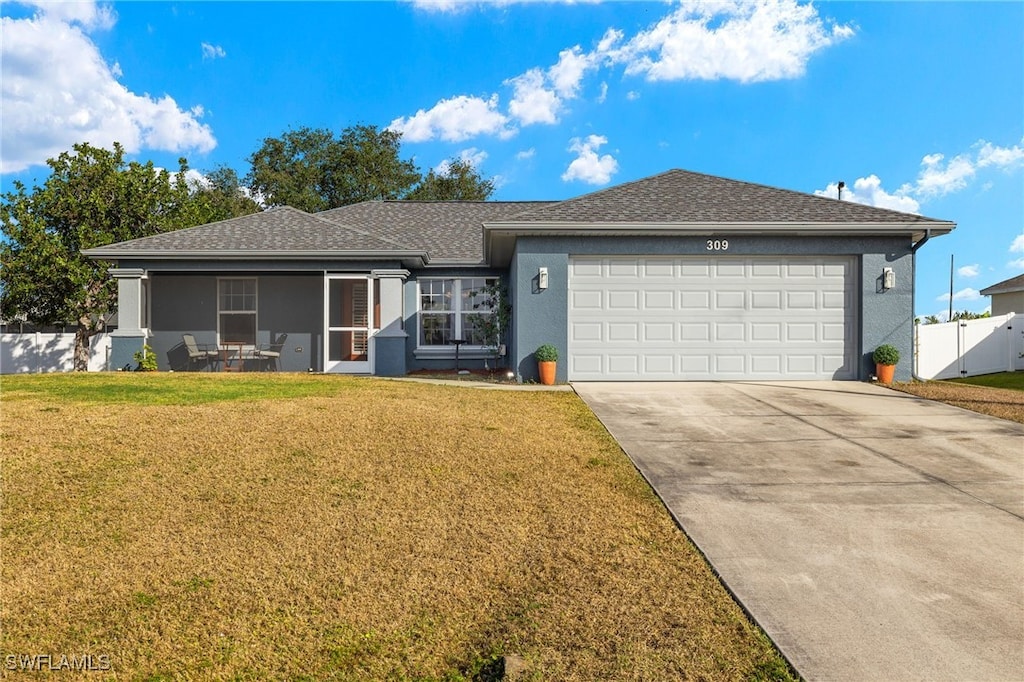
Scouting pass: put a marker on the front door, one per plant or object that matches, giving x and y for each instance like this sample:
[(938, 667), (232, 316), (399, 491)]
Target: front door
[(351, 322)]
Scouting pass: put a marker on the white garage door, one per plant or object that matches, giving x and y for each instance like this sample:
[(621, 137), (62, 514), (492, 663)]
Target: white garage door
[(712, 318)]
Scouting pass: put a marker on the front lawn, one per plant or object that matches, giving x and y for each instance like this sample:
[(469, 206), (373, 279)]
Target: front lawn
[(310, 527), (998, 395)]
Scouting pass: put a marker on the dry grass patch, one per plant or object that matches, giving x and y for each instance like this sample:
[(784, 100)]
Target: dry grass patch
[(374, 530), (1004, 403)]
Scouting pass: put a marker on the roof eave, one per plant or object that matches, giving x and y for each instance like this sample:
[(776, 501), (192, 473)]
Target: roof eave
[(507, 231), (101, 253)]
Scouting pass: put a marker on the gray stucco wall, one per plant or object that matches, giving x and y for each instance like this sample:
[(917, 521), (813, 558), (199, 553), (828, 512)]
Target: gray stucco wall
[(541, 316), (286, 304)]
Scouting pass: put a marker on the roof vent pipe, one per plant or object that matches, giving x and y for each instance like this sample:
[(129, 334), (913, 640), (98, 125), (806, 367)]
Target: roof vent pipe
[(841, 186)]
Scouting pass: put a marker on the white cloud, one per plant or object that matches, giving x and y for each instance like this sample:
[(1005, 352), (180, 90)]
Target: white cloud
[(734, 39), (966, 294), (532, 102), (632, 95), (969, 270), (869, 191), (1017, 246), (58, 91), (213, 51), (473, 156), (936, 178), (588, 166), (1000, 157), (455, 120), (526, 154), (1016, 264), (568, 73), (737, 40)]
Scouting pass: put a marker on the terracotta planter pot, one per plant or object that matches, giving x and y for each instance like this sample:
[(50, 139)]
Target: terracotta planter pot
[(547, 372), (885, 373)]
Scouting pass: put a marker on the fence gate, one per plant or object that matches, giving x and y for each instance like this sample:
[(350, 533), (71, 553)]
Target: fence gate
[(967, 348)]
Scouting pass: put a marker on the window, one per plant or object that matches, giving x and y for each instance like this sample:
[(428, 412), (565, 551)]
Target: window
[(451, 309), (236, 311)]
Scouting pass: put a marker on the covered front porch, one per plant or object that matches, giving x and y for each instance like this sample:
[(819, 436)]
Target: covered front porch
[(243, 319)]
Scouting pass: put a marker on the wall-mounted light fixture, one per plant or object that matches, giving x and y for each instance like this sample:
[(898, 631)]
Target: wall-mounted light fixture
[(888, 279), (542, 278)]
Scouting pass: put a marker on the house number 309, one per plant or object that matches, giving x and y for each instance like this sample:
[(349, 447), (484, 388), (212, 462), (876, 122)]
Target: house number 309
[(718, 245)]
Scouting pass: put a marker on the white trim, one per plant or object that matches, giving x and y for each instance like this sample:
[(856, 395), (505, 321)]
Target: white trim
[(255, 311), (448, 351), (350, 366)]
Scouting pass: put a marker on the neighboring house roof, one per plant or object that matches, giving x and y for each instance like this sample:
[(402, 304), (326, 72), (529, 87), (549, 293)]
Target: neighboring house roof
[(479, 232), (1009, 286), (450, 231)]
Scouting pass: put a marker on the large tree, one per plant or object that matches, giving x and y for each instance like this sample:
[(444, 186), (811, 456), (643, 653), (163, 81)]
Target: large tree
[(91, 198), (219, 195), (459, 180), (314, 170)]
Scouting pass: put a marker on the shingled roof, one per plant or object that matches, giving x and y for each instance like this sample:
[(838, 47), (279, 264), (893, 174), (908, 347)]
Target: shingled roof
[(454, 231), (679, 196), (276, 231), (450, 231), (1007, 286)]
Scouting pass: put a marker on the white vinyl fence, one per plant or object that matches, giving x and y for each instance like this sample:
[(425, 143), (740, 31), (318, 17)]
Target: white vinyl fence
[(967, 348), (44, 352)]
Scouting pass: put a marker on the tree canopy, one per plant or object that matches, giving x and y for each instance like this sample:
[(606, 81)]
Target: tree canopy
[(314, 170), (460, 182), (92, 197)]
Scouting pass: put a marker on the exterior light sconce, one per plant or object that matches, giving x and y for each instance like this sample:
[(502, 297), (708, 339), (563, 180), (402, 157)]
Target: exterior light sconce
[(888, 279), (542, 278)]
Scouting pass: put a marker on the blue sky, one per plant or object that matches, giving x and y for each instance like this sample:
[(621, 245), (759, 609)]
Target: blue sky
[(915, 106)]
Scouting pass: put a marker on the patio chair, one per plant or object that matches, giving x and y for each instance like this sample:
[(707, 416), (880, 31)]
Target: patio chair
[(197, 353), (271, 353)]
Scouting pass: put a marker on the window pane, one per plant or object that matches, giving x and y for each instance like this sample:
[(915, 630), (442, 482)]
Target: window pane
[(436, 294), (471, 331), (238, 328), (436, 329)]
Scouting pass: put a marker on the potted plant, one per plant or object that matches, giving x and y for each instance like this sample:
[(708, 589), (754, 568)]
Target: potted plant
[(885, 357), (547, 357)]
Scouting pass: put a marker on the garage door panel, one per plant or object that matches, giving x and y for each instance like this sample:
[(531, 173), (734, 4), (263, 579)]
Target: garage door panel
[(623, 300), (623, 269), (766, 300), (586, 300), (708, 318), (658, 269), (585, 331), (659, 300), (658, 331), (695, 300), (729, 331), (623, 331), (730, 300)]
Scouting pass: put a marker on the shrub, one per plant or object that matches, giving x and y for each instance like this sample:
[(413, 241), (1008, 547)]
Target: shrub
[(146, 359), (546, 353), (886, 355)]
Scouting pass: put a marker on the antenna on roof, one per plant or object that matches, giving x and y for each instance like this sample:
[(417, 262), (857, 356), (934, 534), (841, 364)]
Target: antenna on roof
[(841, 186)]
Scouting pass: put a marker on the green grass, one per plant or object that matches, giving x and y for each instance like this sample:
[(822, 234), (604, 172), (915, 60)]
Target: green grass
[(145, 388), (1011, 380)]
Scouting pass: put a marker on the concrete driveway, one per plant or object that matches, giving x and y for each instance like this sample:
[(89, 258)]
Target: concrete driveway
[(873, 535)]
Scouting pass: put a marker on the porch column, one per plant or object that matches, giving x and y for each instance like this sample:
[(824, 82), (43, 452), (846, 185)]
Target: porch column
[(390, 341), (129, 337)]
